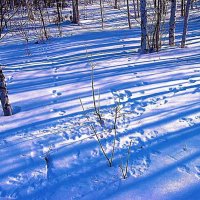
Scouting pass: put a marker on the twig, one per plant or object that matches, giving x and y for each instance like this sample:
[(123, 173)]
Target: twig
[(125, 171), (95, 133), (97, 110), (115, 134)]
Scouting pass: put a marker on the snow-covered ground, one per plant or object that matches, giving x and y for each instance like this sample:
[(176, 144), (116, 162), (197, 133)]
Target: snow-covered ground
[(47, 148)]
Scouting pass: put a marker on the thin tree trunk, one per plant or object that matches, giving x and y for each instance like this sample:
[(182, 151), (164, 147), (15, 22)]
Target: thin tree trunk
[(43, 23), (138, 8), (59, 17), (1, 18), (101, 10), (134, 8), (158, 25), (7, 110), (185, 26), (172, 23), (58, 11), (155, 4), (143, 13), (76, 17), (192, 4), (116, 4), (128, 13), (182, 8), (29, 9)]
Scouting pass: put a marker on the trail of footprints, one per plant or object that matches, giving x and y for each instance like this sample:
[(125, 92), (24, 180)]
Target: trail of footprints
[(190, 170), (190, 121), (76, 127), (55, 92)]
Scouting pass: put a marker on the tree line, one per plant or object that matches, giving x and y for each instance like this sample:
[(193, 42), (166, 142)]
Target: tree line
[(28, 17)]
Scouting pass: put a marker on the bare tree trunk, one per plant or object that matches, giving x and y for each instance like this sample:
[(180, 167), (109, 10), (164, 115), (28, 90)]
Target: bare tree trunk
[(138, 8), (182, 8), (12, 4), (76, 17), (29, 10), (58, 11), (4, 96), (158, 25), (160, 5), (155, 4), (1, 18), (143, 13), (192, 4), (134, 8), (128, 13), (59, 17), (101, 9), (172, 23), (116, 4), (43, 23), (185, 26)]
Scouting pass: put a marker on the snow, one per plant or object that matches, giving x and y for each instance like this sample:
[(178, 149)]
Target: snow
[(47, 148)]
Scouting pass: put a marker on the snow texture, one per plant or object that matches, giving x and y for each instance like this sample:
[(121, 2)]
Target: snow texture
[(47, 148)]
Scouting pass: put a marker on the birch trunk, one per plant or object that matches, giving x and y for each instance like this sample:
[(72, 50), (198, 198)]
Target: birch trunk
[(185, 26), (143, 15), (7, 110), (172, 23)]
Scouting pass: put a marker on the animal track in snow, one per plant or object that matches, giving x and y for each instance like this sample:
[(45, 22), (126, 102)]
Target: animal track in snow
[(123, 96), (55, 93), (188, 120), (62, 112), (196, 90), (31, 181), (139, 163), (151, 134), (192, 81), (184, 168), (197, 168), (177, 89)]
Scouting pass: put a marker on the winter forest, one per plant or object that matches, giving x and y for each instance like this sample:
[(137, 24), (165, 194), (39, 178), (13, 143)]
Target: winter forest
[(100, 99)]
